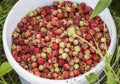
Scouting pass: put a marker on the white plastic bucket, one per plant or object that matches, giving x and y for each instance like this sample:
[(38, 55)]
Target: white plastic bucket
[(20, 10)]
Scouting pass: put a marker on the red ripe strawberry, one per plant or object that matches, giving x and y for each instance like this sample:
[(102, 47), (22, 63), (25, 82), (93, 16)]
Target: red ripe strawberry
[(36, 50), (23, 52), (21, 42), (89, 61), (92, 31), (54, 46), (35, 70), (54, 59), (22, 30), (66, 67), (15, 54), (20, 24), (16, 42), (54, 21), (81, 11), (76, 73), (48, 18), (46, 71), (49, 11), (24, 20), (32, 23), (43, 75), (87, 9), (43, 12), (54, 75), (87, 16), (61, 62), (49, 55), (65, 74), (41, 61), (88, 37), (100, 26), (71, 48), (82, 5), (60, 77), (82, 63), (108, 44), (96, 57), (59, 15)]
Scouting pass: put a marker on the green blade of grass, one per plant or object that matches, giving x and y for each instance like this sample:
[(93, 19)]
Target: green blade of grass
[(102, 4)]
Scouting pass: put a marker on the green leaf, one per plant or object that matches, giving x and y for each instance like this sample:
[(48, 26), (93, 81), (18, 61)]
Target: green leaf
[(111, 78), (102, 4), (5, 68), (0, 8), (92, 77)]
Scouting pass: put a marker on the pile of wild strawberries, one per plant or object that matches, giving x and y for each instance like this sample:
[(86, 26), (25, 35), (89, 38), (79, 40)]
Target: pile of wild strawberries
[(47, 42)]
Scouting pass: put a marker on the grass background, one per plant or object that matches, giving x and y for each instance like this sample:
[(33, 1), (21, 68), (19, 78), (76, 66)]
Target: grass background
[(6, 5)]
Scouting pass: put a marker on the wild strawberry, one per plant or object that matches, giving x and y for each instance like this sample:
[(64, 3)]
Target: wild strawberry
[(41, 61), (54, 59), (66, 67), (64, 55), (36, 50), (88, 37), (37, 73), (21, 42), (34, 65), (76, 66), (54, 21), (75, 42), (72, 74), (98, 35), (108, 43), (15, 54), (43, 34), (55, 53), (65, 74), (22, 30), (59, 15), (49, 55), (35, 70), (61, 62), (92, 31), (82, 5), (43, 75), (43, 55), (82, 63), (76, 73), (58, 32), (89, 61), (43, 12), (46, 70), (71, 48), (32, 23), (81, 11), (60, 77), (24, 20), (95, 57), (62, 44), (87, 9), (20, 24)]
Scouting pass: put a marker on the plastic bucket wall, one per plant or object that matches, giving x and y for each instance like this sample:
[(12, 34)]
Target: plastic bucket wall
[(20, 10)]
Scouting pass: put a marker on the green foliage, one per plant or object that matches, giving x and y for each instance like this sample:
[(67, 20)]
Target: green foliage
[(102, 4), (92, 77), (5, 68)]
